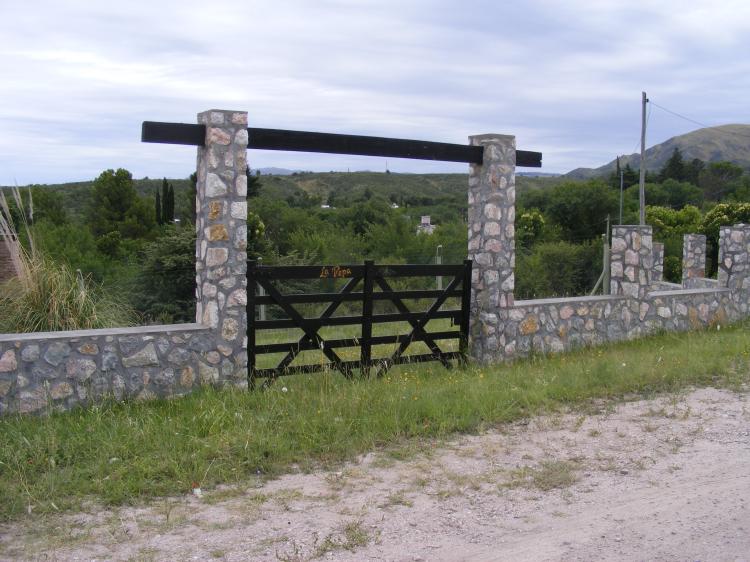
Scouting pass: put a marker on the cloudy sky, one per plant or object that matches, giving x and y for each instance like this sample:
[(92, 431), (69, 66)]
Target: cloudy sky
[(77, 78)]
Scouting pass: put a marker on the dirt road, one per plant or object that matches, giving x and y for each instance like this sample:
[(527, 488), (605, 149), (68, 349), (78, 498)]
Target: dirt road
[(666, 479)]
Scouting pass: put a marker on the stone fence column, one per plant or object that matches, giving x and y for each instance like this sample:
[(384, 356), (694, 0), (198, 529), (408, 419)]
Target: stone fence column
[(492, 198), (632, 261), (658, 272), (693, 257), (734, 247), (221, 245)]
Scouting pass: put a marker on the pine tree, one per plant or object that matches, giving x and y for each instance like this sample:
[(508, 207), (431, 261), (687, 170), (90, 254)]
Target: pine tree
[(674, 168), (253, 182), (158, 208), (164, 201), (170, 206)]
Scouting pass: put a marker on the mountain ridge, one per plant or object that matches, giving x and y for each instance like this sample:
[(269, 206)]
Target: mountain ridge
[(729, 143)]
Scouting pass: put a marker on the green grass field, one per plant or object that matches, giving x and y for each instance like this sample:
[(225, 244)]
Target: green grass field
[(130, 452), (317, 357)]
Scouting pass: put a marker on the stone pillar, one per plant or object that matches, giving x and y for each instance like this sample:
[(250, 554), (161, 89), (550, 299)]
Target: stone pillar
[(632, 261), (658, 272), (734, 247), (693, 257), (492, 198), (221, 245)]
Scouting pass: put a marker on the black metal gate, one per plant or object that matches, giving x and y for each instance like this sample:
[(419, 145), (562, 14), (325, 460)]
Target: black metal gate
[(365, 284)]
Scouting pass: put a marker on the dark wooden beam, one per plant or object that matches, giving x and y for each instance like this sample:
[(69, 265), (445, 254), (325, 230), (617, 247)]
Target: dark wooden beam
[(173, 133), (304, 141)]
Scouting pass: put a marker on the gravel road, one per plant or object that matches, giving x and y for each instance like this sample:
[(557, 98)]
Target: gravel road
[(663, 479)]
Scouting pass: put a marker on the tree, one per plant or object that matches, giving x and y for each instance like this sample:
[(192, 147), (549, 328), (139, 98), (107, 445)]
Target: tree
[(165, 202), (169, 214), (630, 176), (674, 168), (719, 179), (581, 208), (529, 227), (159, 216), (166, 283), (253, 182), (693, 170), (112, 197), (49, 205), (614, 177)]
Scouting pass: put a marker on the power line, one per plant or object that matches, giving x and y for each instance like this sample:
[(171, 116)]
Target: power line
[(705, 125)]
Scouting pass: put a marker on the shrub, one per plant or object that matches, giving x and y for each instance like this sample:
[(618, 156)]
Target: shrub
[(47, 295), (50, 296)]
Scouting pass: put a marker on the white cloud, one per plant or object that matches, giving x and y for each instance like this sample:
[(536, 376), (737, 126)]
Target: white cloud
[(79, 77)]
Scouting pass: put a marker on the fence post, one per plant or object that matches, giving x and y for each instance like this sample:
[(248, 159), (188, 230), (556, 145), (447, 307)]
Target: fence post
[(734, 257), (658, 273), (221, 243), (463, 342), (606, 265), (492, 212), (261, 293), (366, 340), (250, 315), (439, 261)]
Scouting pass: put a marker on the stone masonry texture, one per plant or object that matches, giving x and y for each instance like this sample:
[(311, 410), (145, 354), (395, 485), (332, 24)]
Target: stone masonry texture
[(56, 371), (693, 257), (492, 197), (221, 246)]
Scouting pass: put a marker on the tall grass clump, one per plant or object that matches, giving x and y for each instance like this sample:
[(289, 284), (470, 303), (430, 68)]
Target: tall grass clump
[(46, 295)]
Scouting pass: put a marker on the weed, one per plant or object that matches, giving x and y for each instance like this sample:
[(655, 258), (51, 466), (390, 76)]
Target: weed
[(352, 536), (545, 476), (397, 498)]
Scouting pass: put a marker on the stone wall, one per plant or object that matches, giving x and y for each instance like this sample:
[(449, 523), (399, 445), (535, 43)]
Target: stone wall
[(640, 303), (693, 258), (60, 370)]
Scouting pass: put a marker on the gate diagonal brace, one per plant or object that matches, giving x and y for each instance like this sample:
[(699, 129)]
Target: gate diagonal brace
[(417, 325), (310, 333), (327, 313)]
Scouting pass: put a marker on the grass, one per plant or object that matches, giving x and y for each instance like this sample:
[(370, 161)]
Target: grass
[(548, 475), (352, 536), (118, 454), (47, 295), (316, 357)]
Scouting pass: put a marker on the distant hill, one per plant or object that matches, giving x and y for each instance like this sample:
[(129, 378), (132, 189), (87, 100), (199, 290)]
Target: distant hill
[(276, 171), (422, 190), (713, 144)]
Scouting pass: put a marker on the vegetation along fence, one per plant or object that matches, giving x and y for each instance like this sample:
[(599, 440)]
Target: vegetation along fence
[(368, 286)]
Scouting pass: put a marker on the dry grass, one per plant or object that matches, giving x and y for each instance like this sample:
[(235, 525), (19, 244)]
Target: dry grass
[(46, 295)]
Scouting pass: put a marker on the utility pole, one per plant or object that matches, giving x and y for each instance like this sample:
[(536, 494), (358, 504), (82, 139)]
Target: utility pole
[(642, 184), (439, 261), (261, 293)]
